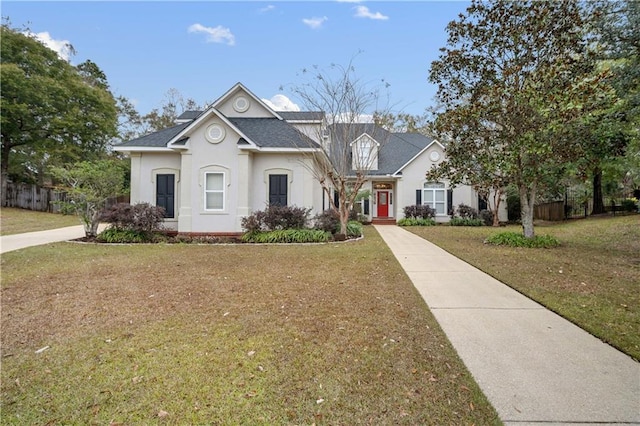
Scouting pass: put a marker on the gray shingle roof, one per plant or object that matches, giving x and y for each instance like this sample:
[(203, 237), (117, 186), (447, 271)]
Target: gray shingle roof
[(301, 115), (272, 133), (400, 148), (157, 139), (396, 148), (189, 115)]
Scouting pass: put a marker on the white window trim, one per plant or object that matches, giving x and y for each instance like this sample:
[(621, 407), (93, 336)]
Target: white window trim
[(214, 191), (226, 183), (443, 188)]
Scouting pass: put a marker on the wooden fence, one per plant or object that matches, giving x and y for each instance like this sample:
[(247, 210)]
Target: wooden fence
[(550, 211), (33, 197)]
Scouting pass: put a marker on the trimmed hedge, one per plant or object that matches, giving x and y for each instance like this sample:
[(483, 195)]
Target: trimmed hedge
[(412, 221), (515, 239), (287, 236)]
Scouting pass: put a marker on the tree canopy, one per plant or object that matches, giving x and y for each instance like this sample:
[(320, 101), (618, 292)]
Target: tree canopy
[(52, 112), (511, 78)]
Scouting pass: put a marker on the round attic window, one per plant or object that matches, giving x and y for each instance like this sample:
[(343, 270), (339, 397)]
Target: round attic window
[(241, 104), (434, 156), (215, 133)]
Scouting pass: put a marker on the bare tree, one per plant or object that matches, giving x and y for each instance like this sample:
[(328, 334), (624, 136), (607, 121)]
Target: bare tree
[(350, 142)]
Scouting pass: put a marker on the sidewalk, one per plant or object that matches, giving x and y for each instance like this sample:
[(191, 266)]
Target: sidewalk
[(534, 366), (29, 239)]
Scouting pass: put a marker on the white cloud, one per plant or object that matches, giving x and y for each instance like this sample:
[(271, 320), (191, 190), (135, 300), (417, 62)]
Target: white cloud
[(62, 47), (315, 23), (281, 103), (364, 12), (218, 34), (266, 9)]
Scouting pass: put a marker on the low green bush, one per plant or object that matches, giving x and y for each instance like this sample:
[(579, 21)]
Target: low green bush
[(412, 221), (459, 221), (125, 236), (287, 236), (630, 204), (515, 239), (354, 229)]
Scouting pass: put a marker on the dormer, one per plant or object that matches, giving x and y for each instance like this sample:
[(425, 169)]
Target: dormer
[(364, 153)]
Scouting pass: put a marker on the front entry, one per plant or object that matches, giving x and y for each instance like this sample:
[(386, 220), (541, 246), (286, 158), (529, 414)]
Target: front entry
[(383, 203)]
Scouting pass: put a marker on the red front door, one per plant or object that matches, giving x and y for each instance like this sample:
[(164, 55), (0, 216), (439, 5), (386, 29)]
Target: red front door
[(383, 203)]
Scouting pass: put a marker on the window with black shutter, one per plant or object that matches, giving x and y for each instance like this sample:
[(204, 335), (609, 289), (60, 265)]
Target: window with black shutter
[(165, 194), (278, 190)]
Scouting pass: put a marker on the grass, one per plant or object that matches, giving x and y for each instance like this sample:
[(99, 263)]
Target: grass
[(592, 279), (17, 221), (225, 334)]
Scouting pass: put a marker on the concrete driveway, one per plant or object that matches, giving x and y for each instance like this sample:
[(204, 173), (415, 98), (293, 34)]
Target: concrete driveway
[(19, 241)]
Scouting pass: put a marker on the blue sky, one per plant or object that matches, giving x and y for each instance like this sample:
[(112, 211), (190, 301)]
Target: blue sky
[(203, 48)]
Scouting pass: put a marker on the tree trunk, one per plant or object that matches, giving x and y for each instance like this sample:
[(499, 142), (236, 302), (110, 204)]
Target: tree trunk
[(598, 201), (4, 174), (497, 198), (527, 200)]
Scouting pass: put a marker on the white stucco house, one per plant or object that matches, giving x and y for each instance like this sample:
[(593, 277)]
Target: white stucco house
[(214, 167)]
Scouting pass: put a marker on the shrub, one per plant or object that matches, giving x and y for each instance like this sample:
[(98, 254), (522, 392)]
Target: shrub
[(487, 217), (629, 205), (354, 229), (124, 236), (140, 217), (412, 221), (275, 218), (459, 221), (328, 221), (419, 212), (466, 212), (515, 239), (287, 236)]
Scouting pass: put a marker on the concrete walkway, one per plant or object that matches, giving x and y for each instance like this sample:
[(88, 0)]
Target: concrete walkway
[(29, 239), (533, 366)]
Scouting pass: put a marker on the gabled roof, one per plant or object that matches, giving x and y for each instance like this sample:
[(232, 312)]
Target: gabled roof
[(156, 139), (272, 133), (240, 86), (396, 149)]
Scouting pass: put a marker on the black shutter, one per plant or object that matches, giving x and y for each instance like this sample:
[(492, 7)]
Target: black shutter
[(278, 190), (165, 194), (336, 199), (418, 197), (366, 206), (450, 201)]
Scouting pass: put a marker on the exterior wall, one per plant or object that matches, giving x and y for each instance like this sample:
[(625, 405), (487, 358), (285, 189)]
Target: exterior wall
[(223, 157), (303, 189), (255, 108), (312, 130), (144, 168), (413, 178)]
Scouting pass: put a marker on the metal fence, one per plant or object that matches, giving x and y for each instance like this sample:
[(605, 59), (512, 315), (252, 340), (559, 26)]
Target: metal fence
[(577, 203)]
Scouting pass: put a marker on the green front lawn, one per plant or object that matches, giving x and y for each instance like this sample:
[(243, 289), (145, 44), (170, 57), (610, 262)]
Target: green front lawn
[(17, 221), (330, 334), (592, 279)]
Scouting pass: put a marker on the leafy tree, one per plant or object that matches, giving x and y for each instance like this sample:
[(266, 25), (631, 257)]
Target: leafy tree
[(348, 104), (52, 112), (88, 187), (512, 77), (615, 29), (172, 106)]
